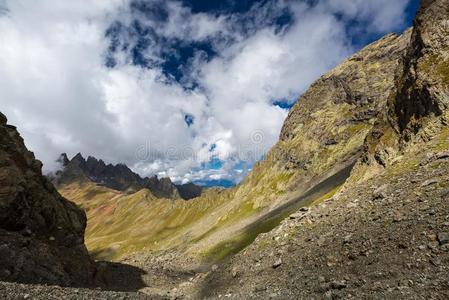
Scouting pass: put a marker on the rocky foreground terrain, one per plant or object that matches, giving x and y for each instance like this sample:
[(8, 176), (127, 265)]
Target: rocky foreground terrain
[(353, 202)]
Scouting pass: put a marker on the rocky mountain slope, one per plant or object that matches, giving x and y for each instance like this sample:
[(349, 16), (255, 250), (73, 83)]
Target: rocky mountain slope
[(41, 233), (119, 177), (386, 234)]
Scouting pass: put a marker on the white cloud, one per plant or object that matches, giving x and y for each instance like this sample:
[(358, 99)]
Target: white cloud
[(55, 88)]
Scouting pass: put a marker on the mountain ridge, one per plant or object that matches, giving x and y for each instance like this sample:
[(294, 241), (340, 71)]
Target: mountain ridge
[(119, 177)]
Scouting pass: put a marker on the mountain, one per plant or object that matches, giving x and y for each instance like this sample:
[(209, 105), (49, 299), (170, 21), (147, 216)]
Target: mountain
[(352, 202), (119, 177), (386, 233), (322, 139), (356, 185), (41, 233)]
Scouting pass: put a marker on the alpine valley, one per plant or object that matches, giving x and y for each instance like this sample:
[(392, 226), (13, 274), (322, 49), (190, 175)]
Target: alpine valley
[(351, 202)]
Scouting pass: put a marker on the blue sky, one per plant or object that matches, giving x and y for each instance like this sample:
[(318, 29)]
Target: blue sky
[(196, 90)]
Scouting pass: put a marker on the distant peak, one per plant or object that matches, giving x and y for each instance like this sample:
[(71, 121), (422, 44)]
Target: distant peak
[(78, 157), (63, 159)]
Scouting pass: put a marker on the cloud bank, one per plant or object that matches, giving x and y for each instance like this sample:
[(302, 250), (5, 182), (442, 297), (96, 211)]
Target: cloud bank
[(108, 78)]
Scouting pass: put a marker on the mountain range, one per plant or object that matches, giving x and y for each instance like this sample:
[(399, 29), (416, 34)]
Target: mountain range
[(119, 177)]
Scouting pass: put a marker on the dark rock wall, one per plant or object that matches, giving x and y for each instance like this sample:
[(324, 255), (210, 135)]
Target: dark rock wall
[(41, 233)]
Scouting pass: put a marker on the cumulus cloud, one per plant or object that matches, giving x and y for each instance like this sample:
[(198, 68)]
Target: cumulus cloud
[(56, 87)]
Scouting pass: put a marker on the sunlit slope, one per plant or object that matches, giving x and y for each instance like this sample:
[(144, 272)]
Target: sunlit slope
[(322, 137), (120, 224)]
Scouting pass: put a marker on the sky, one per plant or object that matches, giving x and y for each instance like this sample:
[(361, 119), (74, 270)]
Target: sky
[(196, 90)]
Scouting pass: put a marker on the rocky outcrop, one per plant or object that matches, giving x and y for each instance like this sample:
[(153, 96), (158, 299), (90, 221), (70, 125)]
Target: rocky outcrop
[(417, 108), (41, 233), (119, 177), (423, 90)]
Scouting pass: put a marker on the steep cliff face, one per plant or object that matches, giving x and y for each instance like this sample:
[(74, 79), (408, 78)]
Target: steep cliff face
[(417, 108), (424, 87), (41, 233)]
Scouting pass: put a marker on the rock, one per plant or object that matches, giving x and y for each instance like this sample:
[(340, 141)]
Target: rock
[(347, 239), (429, 182), (298, 216), (260, 288), (380, 192), (442, 155), (435, 261), (277, 263), (304, 209), (338, 285), (214, 268), (443, 238), (234, 272)]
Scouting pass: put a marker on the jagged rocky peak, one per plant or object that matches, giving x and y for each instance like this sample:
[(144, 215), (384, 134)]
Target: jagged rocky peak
[(63, 159), (41, 233), (119, 177), (78, 159)]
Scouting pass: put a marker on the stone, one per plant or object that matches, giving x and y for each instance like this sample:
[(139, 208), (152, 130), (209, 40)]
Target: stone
[(234, 272), (338, 285), (298, 216), (429, 182), (435, 261), (442, 155), (443, 238), (277, 263), (380, 192), (347, 239)]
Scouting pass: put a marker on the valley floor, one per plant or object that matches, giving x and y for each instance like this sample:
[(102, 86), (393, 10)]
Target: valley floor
[(386, 238)]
